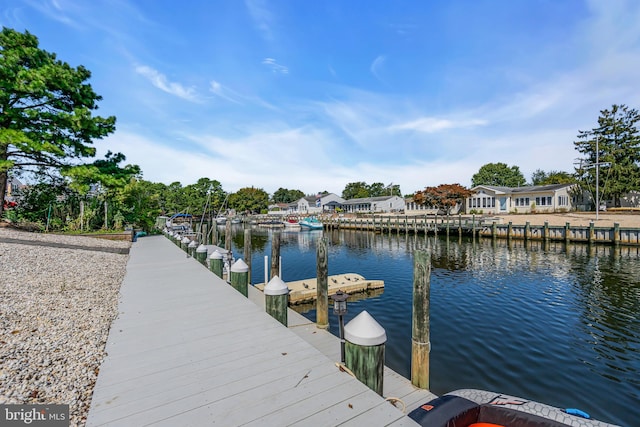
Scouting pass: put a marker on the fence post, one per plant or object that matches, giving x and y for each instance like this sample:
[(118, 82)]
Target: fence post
[(276, 300), (420, 331), (239, 275), (364, 350)]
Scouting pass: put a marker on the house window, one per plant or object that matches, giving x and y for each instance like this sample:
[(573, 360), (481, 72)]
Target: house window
[(543, 201), (563, 200)]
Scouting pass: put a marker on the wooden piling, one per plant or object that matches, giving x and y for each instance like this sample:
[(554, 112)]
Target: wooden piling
[(364, 350), (205, 233), (616, 234), (201, 254), (214, 233), (239, 277), (227, 235), (191, 248), (216, 264), (275, 254), (420, 331), (567, 233), (247, 250), (276, 300), (322, 301), (527, 231), (184, 244), (546, 231)]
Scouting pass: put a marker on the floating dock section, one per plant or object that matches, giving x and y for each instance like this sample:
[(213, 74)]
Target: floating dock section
[(306, 290)]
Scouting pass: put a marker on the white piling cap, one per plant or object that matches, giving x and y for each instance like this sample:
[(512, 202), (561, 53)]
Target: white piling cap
[(239, 266), (216, 255), (201, 248), (193, 244), (186, 240), (177, 236), (276, 287), (364, 330)]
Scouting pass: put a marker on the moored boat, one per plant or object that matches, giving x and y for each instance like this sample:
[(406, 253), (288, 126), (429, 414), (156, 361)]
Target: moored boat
[(311, 223), (475, 408), (291, 222)]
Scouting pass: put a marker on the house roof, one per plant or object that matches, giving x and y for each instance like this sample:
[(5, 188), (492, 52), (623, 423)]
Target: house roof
[(525, 189), (367, 200)]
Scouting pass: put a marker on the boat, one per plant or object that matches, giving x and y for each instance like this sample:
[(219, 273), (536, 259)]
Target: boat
[(311, 223), (236, 221), (475, 408), (291, 222), (221, 220)]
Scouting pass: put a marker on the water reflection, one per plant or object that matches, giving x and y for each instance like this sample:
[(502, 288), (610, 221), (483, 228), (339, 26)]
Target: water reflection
[(552, 322)]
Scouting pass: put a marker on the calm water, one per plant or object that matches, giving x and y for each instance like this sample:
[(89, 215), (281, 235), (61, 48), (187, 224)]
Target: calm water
[(556, 324)]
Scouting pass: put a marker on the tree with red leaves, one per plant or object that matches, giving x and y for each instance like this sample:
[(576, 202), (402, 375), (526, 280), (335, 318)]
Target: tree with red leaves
[(444, 196)]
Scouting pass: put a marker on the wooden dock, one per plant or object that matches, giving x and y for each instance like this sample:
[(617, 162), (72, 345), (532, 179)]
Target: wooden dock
[(187, 349), (302, 291), (488, 227)]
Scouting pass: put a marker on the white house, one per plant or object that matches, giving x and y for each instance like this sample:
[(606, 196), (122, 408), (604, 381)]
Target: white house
[(374, 204), (536, 198), (318, 204)]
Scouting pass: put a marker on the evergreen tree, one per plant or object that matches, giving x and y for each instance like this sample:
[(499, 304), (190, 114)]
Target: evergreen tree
[(615, 145)]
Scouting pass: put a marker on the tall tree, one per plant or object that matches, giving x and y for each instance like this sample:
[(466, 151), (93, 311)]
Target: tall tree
[(355, 190), (444, 196), (45, 108), (205, 193), (498, 174), (615, 144), (284, 195), (540, 177), (249, 200)]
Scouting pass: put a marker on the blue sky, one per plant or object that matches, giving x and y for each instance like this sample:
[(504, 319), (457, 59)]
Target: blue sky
[(312, 95)]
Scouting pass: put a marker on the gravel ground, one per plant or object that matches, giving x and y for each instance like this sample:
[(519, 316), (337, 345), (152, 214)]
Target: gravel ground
[(56, 307)]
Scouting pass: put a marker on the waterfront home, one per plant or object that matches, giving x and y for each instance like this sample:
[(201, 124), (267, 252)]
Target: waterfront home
[(318, 204), (380, 204), (490, 199), (413, 208)]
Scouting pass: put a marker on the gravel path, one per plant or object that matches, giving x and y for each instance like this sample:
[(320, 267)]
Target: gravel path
[(56, 307)]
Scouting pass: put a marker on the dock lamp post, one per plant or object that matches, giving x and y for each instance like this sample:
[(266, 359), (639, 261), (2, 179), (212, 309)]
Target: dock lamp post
[(340, 309)]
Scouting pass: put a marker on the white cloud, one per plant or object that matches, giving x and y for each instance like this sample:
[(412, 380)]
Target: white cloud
[(376, 65), (274, 66), (262, 17), (432, 124), (224, 92), (160, 81)]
